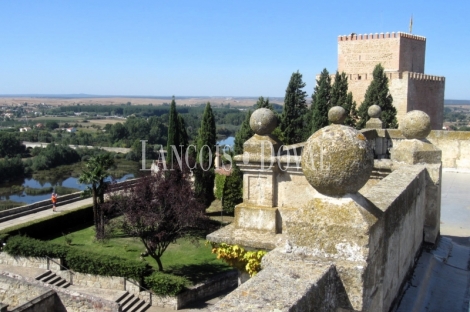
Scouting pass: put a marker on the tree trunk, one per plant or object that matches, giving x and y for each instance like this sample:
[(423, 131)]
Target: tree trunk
[(95, 211), (159, 262)]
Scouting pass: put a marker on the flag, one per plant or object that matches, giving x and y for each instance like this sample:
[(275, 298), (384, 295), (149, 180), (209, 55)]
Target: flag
[(411, 24)]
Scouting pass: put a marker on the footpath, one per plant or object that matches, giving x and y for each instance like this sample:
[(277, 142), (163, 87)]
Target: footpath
[(45, 213)]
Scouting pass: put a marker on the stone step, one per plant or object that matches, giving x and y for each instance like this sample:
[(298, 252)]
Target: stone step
[(124, 298), (128, 306), (131, 303), (52, 279)]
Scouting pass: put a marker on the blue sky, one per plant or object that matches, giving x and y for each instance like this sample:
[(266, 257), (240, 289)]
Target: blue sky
[(209, 48)]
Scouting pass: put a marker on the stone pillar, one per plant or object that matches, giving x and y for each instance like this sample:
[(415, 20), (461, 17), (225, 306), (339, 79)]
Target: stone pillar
[(415, 127), (379, 144), (259, 166), (374, 122), (339, 223)]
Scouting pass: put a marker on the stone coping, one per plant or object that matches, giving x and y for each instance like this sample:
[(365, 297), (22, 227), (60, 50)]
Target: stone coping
[(243, 237)]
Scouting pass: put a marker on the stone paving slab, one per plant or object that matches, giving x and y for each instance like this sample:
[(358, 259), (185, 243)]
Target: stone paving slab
[(23, 271), (455, 204), (107, 294)]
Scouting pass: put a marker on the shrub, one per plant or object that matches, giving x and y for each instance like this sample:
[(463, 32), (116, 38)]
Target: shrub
[(29, 247), (76, 260), (106, 265), (165, 284), (219, 185)]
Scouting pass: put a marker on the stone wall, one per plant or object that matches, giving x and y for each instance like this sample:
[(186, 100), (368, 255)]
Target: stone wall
[(412, 53), (46, 302), (211, 287), (426, 93), (66, 299), (32, 262), (397, 238), (396, 52), (16, 293)]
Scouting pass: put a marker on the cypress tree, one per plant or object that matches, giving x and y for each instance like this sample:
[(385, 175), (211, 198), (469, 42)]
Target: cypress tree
[(173, 133), (264, 103), (295, 109), (378, 93), (339, 90), (183, 134), (321, 102), (341, 97), (350, 108), (243, 134), (233, 190), (206, 140)]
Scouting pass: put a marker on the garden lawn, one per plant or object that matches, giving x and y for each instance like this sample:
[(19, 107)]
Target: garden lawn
[(195, 262)]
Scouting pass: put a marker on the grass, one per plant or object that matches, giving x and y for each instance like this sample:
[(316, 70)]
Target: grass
[(195, 262), (8, 204), (62, 190), (37, 191)]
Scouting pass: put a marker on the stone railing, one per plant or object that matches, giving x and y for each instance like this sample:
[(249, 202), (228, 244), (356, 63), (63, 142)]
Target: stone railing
[(455, 145)]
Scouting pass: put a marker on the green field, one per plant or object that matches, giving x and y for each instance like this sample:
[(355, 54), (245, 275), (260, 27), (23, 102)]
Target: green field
[(195, 262)]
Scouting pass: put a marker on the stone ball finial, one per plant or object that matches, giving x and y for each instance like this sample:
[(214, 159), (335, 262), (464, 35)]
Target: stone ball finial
[(374, 111), (337, 115), (263, 121), (416, 125), (337, 160)]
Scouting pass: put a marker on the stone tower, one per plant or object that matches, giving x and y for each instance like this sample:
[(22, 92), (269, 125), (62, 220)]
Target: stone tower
[(403, 57)]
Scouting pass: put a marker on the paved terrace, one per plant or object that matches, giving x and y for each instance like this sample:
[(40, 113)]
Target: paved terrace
[(445, 279)]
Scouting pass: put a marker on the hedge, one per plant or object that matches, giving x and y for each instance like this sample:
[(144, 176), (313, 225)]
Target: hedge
[(51, 225), (99, 264), (77, 260), (165, 284)]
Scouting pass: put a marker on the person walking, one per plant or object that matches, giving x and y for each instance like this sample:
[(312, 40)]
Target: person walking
[(54, 201)]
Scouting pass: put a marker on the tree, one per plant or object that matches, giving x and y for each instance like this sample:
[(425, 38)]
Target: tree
[(96, 170), (350, 108), (160, 209), (183, 135), (264, 103), (10, 145), (173, 133), (341, 97), (244, 133), (232, 193), (378, 93), (295, 109), (321, 102), (206, 140)]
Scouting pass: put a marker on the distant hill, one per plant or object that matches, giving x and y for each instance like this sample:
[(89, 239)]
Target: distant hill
[(456, 102)]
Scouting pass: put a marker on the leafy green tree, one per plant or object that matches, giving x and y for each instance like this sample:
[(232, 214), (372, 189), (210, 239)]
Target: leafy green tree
[(51, 125), (295, 109), (243, 134), (96, 170), (10, 145), (378, 93), (341, 97), (206, 140), (321, 102)]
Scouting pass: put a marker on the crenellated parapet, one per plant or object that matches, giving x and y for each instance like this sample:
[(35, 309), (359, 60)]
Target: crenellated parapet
[(421, 76), (380, 36)]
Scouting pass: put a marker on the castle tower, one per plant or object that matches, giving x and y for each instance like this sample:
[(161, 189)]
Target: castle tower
[(403, 57)]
